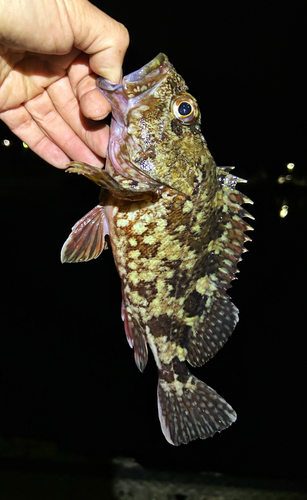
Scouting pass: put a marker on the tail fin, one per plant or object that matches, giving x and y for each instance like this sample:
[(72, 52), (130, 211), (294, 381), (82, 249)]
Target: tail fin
[(191, 410)]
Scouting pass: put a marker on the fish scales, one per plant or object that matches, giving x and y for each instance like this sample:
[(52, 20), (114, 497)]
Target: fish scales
[(175, 223)]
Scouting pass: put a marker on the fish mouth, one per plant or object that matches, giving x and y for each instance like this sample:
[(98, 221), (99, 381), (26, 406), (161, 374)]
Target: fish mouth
[(146, 77), (137, 82), (127, 94), (141, 73)]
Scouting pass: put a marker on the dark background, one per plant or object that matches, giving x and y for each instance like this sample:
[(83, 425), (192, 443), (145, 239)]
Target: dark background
[(67, 372)]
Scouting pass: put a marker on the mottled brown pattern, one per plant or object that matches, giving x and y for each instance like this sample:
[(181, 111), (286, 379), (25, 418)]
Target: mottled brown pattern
[(177, 234)]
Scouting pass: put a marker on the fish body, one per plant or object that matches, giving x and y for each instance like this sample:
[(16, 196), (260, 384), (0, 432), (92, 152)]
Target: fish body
[(174, 220)]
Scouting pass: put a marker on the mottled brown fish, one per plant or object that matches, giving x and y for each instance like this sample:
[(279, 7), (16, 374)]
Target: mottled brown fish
[(174, 220)]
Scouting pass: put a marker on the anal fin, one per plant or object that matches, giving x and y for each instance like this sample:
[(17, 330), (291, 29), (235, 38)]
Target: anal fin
[(87, 238)]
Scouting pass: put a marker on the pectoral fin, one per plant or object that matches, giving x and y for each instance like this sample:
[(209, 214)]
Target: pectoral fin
[(95, 174), (86, 240), (126, 188)]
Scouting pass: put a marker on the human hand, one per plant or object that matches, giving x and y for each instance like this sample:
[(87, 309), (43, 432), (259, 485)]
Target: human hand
[(49, 50)]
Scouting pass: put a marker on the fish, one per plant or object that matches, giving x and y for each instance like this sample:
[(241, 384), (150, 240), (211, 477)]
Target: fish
[(174, 220)]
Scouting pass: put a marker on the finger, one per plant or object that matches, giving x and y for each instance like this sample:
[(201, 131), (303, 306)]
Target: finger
[(46, 116), (22, 124), (100, 36), (94, 134), (108, 62), (83, 83), (94, 105)]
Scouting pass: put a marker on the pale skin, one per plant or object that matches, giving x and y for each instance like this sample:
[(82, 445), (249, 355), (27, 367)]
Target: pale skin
[(51, 52)]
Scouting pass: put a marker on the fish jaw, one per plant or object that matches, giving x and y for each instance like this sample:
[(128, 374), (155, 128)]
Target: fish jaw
[(124, 97)]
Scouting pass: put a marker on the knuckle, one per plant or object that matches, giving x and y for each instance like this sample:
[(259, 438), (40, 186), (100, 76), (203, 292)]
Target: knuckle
[(125, 37)]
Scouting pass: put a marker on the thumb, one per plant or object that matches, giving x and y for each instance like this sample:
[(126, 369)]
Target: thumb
[(100, 36)]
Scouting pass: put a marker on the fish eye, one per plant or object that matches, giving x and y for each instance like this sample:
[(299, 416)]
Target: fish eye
[(185, 109)]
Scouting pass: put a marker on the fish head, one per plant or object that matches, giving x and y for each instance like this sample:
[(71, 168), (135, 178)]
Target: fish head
[(155, 128)]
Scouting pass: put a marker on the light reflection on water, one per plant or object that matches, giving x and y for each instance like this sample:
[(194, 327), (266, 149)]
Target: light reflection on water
[(135, 482)]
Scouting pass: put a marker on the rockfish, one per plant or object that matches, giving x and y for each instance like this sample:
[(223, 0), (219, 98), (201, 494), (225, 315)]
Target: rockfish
[(174, 221)]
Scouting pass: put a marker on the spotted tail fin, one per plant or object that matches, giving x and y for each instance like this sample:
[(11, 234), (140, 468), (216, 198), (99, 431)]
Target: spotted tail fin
[(191, 410)]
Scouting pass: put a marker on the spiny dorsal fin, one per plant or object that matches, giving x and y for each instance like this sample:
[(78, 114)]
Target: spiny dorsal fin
[(217, 316)]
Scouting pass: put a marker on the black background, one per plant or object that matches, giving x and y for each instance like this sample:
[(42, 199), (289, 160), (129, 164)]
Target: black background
[(67, 372)]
